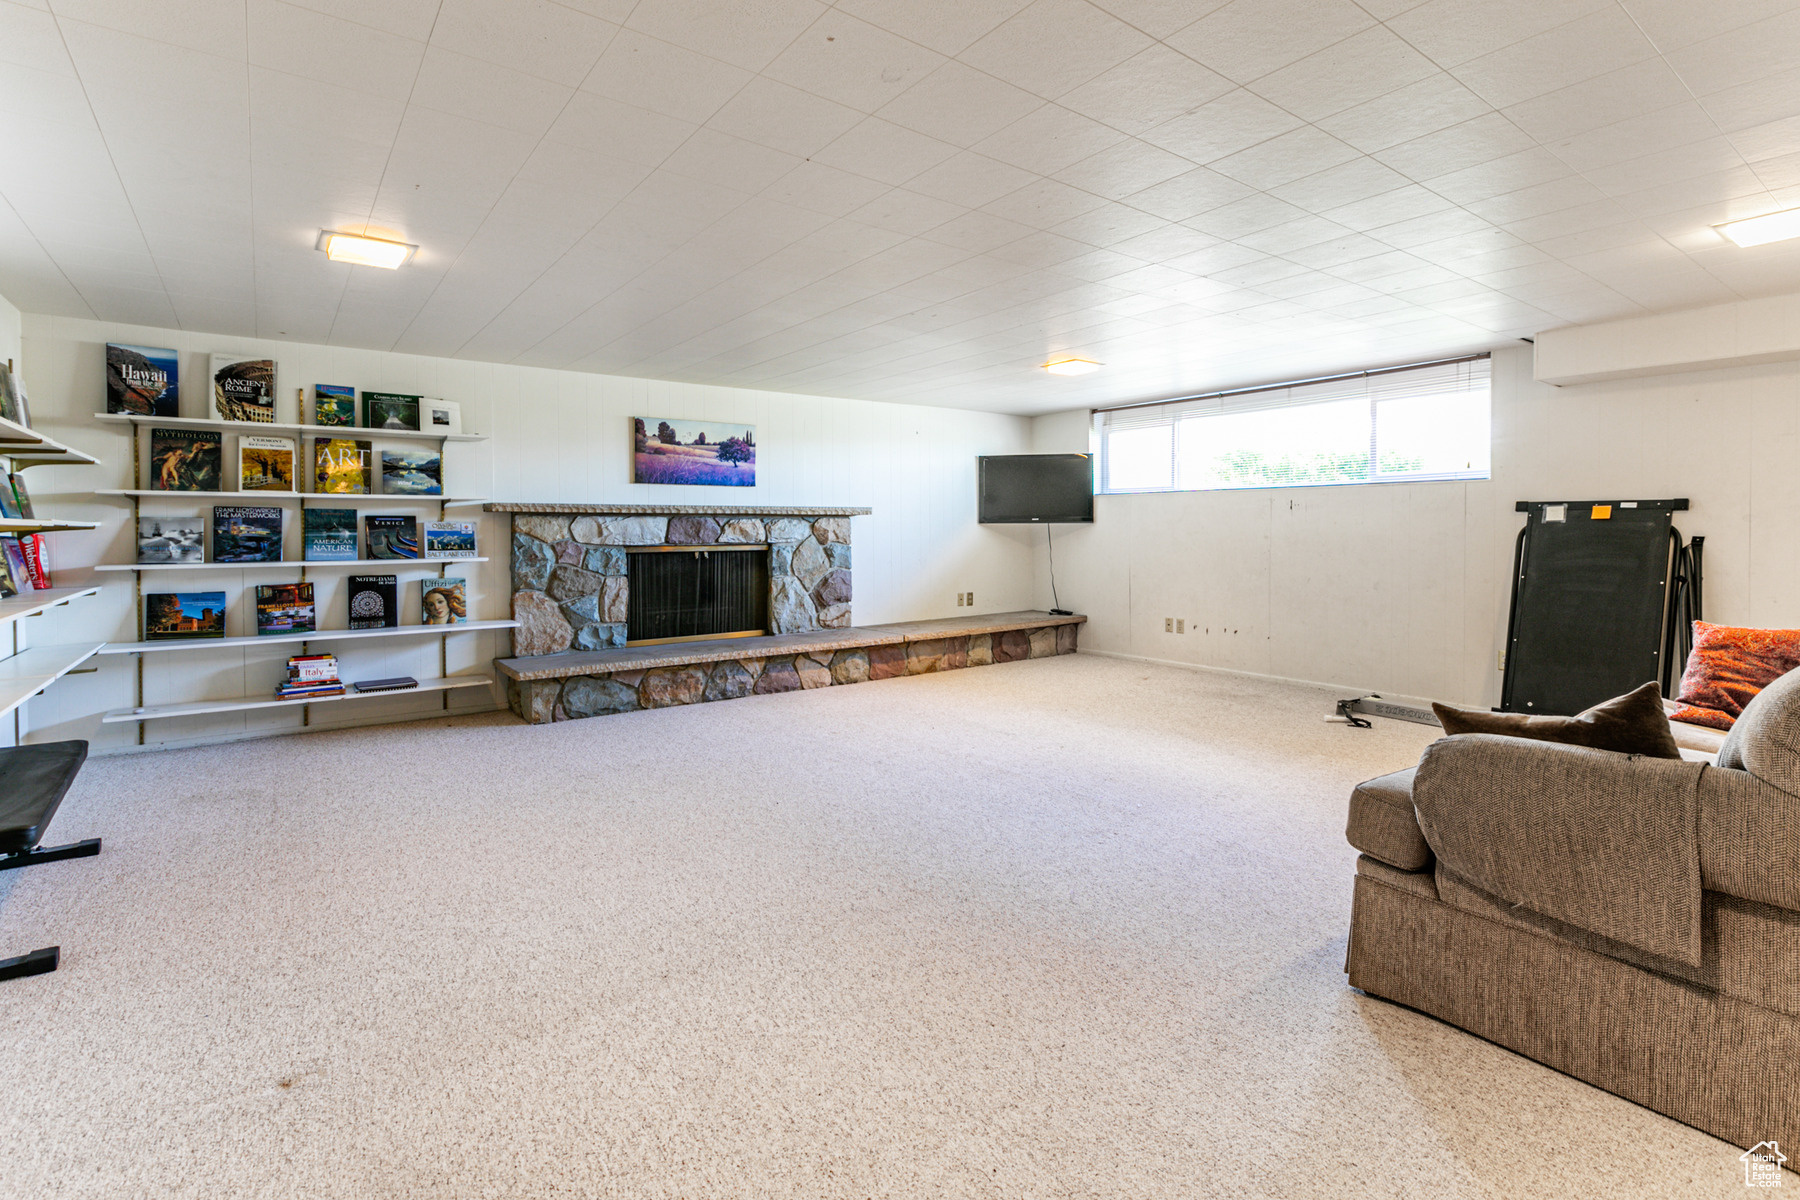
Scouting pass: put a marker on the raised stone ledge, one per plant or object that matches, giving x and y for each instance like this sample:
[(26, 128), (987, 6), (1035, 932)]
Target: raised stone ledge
[(675, 510)]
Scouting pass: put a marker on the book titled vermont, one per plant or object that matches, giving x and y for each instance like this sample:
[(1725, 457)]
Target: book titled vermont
[(185, 460), (243, 388), (442, 602), (333, 404), (171, 540), (142, 380), (449, 539), (392, 537), (330, 535), (284, 608), (343, 467), (411, 473), (374, 601), (265, 464), (246, 534), (169, 615), (390, 410)]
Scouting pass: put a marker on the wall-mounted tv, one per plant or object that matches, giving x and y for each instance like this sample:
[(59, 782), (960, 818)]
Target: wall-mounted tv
[(1049, 489)]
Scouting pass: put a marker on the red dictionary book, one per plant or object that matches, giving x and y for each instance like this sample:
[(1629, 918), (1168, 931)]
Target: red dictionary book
[(36, 560)]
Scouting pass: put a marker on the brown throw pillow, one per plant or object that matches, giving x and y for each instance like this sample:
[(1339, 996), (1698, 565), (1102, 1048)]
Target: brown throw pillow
[(1631, 724)]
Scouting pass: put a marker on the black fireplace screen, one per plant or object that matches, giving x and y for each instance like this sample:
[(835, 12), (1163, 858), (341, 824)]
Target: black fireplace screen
[(686, 593)]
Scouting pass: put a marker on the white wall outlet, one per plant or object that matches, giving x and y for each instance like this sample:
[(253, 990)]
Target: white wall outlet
[(1180, 624), (1168, 624), (971, 599), (1500, 660)]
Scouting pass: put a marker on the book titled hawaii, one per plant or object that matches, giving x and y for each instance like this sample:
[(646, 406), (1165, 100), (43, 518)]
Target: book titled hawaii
[(342, 467), (185, 460), (333, 404), (142, 380), (243, 388), (265, 464), (330, 535)]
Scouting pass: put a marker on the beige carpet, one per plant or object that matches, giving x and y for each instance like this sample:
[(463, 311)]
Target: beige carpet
[(1064, 928)]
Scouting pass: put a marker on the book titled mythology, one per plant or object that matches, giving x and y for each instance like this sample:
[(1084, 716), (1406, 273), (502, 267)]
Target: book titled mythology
[(333, 404), (449, 539), (169, 615), (171, 540), (330, 535), (343, 467), (185, 460), (243, 388), (246, 534), (374, 601), (389, 410), (142, 380), (265, 464), (392, 537), (441, 602), (411, 473), (284, 608)]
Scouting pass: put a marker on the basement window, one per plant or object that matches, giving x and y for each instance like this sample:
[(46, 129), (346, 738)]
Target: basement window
[(1397, 425)]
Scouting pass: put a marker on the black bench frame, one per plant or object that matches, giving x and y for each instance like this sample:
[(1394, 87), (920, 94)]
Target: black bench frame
[(33, 781)]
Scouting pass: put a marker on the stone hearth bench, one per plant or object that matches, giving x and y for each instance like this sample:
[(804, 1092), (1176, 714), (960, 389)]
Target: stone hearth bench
[(560, 687)]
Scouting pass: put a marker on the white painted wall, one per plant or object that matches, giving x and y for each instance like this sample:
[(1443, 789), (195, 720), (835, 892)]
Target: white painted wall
[(555, 436), (1403, 588)]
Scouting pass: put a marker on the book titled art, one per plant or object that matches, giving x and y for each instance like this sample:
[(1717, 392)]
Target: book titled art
[(390, 410), (392, 537), (185, 460), (143, 381), (342, 467), (171, 540), (243, 534), (449, 539), (265, 464), (442, 603), (333, 404), (330, 535), (171, 615), (284, 608), (243, 388), (411, 473), (374, 601)]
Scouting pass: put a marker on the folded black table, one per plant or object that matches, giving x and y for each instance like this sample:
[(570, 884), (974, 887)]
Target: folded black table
[(33, 781)]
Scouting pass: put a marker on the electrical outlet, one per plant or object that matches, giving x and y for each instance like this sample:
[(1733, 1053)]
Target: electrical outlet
[(1180, 624), (959, 599), (971, 599), (1500, 661), (1168, 624)]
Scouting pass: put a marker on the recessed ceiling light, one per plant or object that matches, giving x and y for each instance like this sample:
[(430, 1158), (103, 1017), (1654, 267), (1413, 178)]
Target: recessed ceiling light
[(363, 251), (1771, 227), (1071, 366)]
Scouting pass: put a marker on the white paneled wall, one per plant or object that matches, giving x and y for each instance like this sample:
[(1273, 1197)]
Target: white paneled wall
[(554, 436), (1403, 588)]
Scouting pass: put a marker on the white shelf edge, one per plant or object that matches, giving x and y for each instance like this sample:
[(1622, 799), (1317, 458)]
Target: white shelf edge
[(19, 682), (329, 431), (272, 497), (327, 635), (29, 525), (33, 444), (289, 562), (153, 712), (30, 604)]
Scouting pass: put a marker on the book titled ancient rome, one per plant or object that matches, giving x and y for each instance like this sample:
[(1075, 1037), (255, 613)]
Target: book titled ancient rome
[(243, 388)]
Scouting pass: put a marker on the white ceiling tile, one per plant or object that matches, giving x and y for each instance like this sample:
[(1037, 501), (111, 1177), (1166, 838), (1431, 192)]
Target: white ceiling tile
[(1535, 201), (538, 37), (31, 39), (1247, 39), (1168, 245), (969, 179), (1049, 139), (647, 73), (959, 104), (730, 161), (1233, 122), (1357, 179), (815, 186), (1453, 32), (852, 62), (1667, 166), (1054, 46), (1044, 203), (1468, 144), (748, 34), (1747, 53), (1225, 260), (1775, 139), (1615, 96), (614, 130), (946, 28), (1189, 194), (1109, 225), (408, 18), (1283, 159), (1433, 227), (1581, 49), (1156, 85), (1243, 217), (1125, 169), (1527, 168), (1355, 71), (481, 91), (901, 211), (212, 26), (784, 118), (1388, 208), (1160, 18), (1673, 24), (1435, 102), (1647, 133), (881, 150), (326, 49), (1290, 236), (978, 232)]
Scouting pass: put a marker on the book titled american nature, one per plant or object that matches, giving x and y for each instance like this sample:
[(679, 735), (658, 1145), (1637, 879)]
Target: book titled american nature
[(330, 535), (411, 473), (449, 539), (243, 389), (284, 608), (243, 534), (342, 467), (441, 602), (392, 537), (171, 540), (265, 464), (185, 460), (169, 615), (142, 380), (374, 601), (390, 410), (333, 404)]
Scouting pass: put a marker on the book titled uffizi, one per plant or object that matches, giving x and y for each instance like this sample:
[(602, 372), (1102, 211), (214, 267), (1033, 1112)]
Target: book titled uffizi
[(242, 534), (374, 601), (442, 602)]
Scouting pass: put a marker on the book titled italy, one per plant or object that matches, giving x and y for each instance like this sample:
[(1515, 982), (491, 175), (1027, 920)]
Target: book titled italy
[(243, 388)]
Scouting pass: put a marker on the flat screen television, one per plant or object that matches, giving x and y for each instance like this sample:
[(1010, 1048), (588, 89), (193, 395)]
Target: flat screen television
[(1052, 489)]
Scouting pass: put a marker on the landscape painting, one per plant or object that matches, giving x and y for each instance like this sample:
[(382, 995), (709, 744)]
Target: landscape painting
[(717, 453)]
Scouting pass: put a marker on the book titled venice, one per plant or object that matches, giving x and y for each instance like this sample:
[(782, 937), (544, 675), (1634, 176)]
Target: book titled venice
[(142, 380), (243, 388), (342, 467), (392, 537), (333, 404), (265, 464)]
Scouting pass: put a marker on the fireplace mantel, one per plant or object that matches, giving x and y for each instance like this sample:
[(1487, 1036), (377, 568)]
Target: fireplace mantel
[(675, 510)]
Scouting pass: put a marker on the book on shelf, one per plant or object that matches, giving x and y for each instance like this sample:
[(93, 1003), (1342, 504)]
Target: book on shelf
[(37, 559), (265, 464), (285, 608), (243, 389), (20, 574), (178, 615), (22, 496), (333, 404), (8, 586), (246, 534), (342, 467), (449, 539), (171, 540), (9, 505), (185, 460), (310, 675), (374, 602), (10, 407), (411, 473), (390, 410), (442, 602), (392, 537), (440, 416), (143, 380), (330, 535), (398, 683)]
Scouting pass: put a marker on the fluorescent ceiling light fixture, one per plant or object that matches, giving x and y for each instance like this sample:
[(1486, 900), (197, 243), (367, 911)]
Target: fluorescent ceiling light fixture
[(362, 251), (1071, 366), (1772, 227)]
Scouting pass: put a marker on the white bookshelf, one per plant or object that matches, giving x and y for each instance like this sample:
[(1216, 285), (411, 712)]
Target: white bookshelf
[(29, 672), (280, 639), (26, 447), (351, 498), (317, 431), (302, 563), (157, 712)]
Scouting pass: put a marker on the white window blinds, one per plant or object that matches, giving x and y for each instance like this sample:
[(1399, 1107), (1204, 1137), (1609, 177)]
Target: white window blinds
[(1404, 424)]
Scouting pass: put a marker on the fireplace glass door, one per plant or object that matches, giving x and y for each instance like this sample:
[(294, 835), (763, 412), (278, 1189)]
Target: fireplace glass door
[(685, 593)]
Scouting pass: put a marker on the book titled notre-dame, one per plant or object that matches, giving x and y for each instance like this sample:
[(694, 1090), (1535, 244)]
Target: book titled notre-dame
[(374, 601)]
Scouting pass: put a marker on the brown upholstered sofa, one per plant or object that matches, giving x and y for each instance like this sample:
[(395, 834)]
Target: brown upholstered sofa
[(1632, 921)]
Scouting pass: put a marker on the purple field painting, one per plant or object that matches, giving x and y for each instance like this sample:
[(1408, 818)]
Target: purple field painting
[(705, 452)]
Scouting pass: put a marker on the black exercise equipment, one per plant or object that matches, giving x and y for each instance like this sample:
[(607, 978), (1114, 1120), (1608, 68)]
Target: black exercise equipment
[(33, 782), (1604, 596)]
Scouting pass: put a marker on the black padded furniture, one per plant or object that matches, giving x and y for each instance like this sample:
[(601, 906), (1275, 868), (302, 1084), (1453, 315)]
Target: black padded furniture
[(33, 781)]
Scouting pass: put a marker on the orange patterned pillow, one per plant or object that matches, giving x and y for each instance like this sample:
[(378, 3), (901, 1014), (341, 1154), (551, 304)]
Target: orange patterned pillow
[(1728, 667)]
